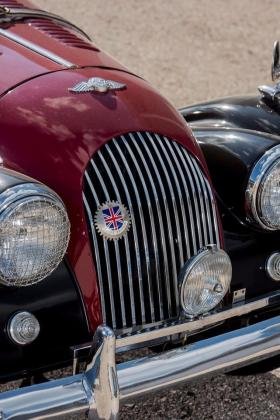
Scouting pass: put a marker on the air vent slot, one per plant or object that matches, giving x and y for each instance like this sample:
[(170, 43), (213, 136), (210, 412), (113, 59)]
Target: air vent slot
[(62, 34)]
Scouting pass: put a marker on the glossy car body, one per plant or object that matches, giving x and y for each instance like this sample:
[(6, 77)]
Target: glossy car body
[(127, 146)]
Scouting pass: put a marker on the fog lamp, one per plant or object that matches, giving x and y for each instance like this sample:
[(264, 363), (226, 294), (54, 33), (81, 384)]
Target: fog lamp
[(273, 266), (205, 280), (23, 328)]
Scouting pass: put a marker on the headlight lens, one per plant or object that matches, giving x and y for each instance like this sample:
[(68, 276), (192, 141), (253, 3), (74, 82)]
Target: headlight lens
[(205, 280), (34, 234), (263, 191)]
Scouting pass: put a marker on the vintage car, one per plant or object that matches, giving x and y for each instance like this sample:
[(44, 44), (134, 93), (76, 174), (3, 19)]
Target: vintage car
[(121, 228)]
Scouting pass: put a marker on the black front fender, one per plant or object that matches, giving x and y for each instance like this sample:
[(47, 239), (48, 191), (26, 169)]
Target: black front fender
[(233, 134)]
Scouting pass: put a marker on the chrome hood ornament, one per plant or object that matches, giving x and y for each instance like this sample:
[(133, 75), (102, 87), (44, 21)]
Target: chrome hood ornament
[(97, 84), (273, 92)]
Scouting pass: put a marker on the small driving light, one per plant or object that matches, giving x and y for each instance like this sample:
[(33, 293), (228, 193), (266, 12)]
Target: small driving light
[(273, 266), (23, 328), (205, 280)]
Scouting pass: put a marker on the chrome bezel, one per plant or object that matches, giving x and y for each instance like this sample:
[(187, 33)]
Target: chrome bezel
[(260, 169), (11, 328), (268, 269), (16, 196), (25, 190), (188, 267)]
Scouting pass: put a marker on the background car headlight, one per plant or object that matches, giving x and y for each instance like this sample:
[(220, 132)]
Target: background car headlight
[(34, 234), (205, 280), (263, 191)]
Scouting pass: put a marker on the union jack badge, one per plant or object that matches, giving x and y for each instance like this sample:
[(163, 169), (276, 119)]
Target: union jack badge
[(112, 220)]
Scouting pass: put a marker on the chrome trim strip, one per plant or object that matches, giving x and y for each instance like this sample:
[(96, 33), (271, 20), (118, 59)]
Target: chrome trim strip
[(105, 244), (159, 214), (127, 250), (189, 207), (171, 190), (180, 153), (206, 200), (191, 326), (200, 197), (182, 204), (152, 222), (143, 226), (36, 48), (10, 14), (117, 249), (214, 212), (169, 225), (136, 242)]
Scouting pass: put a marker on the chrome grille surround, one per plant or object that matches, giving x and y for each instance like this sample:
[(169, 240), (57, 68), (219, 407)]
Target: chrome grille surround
[(173, 215)]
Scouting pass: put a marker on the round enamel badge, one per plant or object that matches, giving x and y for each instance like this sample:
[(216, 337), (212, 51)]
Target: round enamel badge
[(112, 220)]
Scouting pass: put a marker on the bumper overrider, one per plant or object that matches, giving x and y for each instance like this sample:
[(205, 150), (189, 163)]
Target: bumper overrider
[(99, 391)]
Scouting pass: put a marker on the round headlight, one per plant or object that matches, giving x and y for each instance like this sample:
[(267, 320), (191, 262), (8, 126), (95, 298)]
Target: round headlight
[(263, 191), (205, 280), (34, 234)]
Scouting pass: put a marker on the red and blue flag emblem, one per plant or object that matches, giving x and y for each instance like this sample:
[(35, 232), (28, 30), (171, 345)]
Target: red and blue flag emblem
[(112, 220)]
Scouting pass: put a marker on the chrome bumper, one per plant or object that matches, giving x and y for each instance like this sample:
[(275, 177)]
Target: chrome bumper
[(98, 392)]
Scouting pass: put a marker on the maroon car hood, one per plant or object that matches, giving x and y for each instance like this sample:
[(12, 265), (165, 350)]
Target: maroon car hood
[(56, 48)]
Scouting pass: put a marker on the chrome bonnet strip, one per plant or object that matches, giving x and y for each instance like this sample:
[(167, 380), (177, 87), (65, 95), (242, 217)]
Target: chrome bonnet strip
[(36, 48)]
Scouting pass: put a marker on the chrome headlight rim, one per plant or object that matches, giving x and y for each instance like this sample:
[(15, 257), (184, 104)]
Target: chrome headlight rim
[(15, 198), (189, 267), (261, 169), (24, 190)]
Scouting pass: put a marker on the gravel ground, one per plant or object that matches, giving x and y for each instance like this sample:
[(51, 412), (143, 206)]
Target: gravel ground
[(191, 51)]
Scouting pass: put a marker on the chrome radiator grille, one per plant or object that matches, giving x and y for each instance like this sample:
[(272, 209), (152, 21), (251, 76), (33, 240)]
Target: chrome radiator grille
[(173, 215)]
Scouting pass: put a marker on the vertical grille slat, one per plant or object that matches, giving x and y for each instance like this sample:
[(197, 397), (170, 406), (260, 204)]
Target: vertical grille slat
[(162, 238), (143, 228), (152, 222), (105, 243), (167, 211), (173, 215), (117, 251), (194, 194), (135, 233)]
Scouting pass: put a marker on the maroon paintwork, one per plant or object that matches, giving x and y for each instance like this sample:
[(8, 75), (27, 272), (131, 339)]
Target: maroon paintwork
[(50, 134)]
